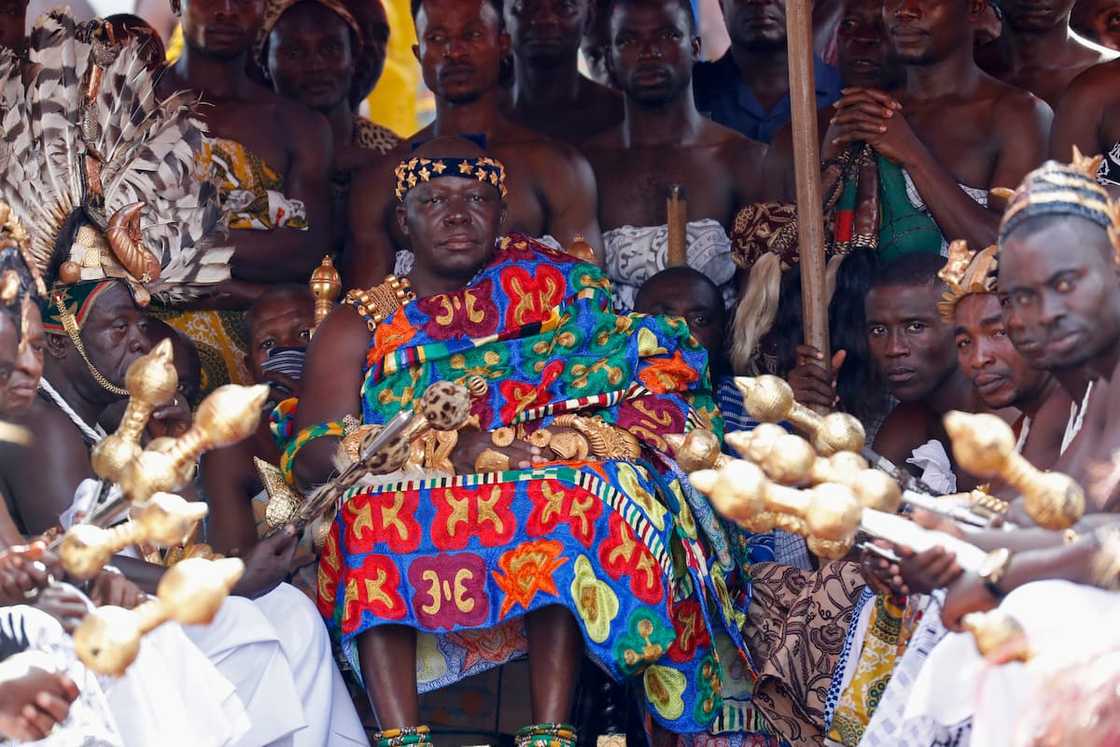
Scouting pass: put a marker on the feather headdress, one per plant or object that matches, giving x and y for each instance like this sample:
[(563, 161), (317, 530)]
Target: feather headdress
[(966, 273), (101, 172)]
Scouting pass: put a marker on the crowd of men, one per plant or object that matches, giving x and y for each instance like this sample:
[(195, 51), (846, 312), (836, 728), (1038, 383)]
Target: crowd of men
[(526, 244)]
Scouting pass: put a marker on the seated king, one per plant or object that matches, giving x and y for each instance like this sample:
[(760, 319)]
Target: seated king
[(555, 523)]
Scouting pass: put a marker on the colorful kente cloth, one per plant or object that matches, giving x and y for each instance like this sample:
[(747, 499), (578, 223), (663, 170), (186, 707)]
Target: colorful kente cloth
[(615, 542), (250, 190)]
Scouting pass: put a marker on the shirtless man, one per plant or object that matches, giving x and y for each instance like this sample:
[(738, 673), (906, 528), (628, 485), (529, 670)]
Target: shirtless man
[(290, 140), (274, 646), (1042, 54), (664, 141), (552, 187), (951, 125), (1089, 117), (549, 93), (1066, 304), (863, 58), (912, 348), (1001, 376)]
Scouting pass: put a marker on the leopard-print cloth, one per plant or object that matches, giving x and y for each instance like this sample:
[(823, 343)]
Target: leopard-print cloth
[(373, 136)]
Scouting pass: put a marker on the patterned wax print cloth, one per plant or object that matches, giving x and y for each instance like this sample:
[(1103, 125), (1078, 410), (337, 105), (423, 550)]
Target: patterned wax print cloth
[(615, 542), (219, 337), (251, 191)]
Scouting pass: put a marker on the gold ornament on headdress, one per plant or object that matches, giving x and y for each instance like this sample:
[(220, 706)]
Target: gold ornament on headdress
[(966, 273)]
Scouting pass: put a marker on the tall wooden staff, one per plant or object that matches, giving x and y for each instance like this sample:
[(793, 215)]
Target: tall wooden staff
[(807, 170)]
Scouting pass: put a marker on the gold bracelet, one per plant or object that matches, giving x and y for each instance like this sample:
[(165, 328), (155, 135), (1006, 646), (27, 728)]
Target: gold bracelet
[(491, 461), (503, 437)]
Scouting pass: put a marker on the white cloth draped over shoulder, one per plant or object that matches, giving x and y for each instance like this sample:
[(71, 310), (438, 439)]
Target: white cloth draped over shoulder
[(634, 254)]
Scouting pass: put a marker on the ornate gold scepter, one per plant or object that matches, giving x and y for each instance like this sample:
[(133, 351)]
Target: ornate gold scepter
[(190, 593), (444, 406), (985, 446), (769, 399), (326, 285)]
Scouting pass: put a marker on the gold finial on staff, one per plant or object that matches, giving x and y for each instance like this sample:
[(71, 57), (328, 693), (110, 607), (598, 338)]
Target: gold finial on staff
[(985, 446), (326, 285), (190, 593), (676, 221)]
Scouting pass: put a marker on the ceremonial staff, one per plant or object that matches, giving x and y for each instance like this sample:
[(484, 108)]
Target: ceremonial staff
[(807, 170)]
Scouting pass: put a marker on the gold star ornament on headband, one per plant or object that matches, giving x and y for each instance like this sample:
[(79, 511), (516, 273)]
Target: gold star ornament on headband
[(966, 273), (418, 170)]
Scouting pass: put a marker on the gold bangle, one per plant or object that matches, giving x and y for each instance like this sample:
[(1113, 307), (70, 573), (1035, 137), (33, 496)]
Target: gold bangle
[(491, 461), (540, 438), (502, 437)]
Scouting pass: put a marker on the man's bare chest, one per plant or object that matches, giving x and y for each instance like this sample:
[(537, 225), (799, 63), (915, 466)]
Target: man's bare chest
[(633, 190), (253, 129), (962, 139)]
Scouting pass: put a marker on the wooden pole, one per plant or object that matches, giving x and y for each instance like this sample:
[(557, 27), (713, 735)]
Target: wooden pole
[(807, 170)]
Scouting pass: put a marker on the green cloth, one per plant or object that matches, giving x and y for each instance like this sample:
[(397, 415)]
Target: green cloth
[(903, 228)]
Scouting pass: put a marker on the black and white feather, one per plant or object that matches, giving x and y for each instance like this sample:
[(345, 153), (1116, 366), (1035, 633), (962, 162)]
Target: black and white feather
[(145, 146)]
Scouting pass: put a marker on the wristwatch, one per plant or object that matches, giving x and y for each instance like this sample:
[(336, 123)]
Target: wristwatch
[(993, 569)]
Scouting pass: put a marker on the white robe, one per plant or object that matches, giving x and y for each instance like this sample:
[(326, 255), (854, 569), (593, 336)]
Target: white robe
[(276, 651), (171, 695), (1065, 624)]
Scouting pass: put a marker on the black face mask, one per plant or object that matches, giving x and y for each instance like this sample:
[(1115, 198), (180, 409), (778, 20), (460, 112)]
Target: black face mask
[(285, 361)]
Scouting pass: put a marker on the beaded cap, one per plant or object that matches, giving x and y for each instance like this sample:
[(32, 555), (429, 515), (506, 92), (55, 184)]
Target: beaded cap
[(417, 170), (1063, 189)]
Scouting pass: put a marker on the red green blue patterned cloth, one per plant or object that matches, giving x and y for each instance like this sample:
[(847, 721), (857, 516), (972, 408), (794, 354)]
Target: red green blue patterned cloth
[(465, 558)]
